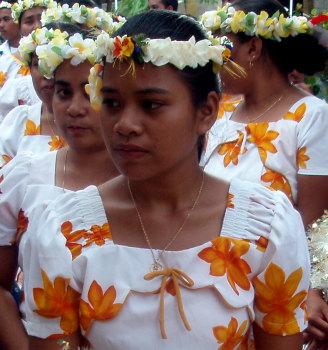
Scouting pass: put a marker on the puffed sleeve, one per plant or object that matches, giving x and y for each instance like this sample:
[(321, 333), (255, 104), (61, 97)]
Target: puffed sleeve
[(14, 178), (282, 282), (11, 133), (312, 137)]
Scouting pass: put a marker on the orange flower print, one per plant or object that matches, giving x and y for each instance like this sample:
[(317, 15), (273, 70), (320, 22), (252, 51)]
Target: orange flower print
[(230, 202), (277, 182), (56, 142), (71, 238), (22, 223), (1, 179), (101, 307), (58, 299), (3, 78), (99, 235), (262, 244), (228, 103), (225, 258), (24, 71), (31, 128), (232, 150), (260, 135), (302, 158), (6, 158), (298, 115), (231, 336), (275, 298)]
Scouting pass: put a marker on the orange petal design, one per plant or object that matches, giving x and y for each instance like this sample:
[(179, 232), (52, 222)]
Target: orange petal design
[(232, 150), (277, 182), (298, 115), (1, 179), (231, 336), (230, 202), (260, 136), (99, 235), (275, 298), (31, 128), (22, 223), (24, 71), (228, 103), (3, 78), (262, 244), (302, 158), (101, 306), (6, 158), (56, 142), (58, 299), (225, 258)]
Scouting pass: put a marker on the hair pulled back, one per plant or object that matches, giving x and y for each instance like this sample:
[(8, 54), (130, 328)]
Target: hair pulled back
[(160, 24), (301, 52)]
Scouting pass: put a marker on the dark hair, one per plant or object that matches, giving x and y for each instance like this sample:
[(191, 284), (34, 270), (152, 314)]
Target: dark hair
[(173, 3), (301, 52), (161, 24)]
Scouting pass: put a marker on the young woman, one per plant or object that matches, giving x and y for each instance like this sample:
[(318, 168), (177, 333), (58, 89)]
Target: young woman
[(277, 135), (30, 178), (190, 261)]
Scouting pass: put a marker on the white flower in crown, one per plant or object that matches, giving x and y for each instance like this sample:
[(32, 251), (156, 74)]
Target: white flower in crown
[(104, 47), (210, 19), (5, 5), (50, 57), (93, 88), (79, 49), (53, 14), (78, 13), (23, 5)]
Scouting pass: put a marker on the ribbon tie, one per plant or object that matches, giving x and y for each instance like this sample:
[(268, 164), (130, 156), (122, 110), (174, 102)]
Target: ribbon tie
[(176, 275)]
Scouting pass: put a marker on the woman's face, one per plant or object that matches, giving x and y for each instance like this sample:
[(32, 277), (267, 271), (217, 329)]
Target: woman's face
[(31, 20), (77, 121), (149, 121), (43, 87)]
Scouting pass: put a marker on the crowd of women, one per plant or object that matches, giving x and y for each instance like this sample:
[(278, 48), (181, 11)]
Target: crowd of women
[(158, 175)]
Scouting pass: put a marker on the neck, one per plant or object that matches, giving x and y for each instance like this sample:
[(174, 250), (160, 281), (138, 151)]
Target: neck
[(14, 42)]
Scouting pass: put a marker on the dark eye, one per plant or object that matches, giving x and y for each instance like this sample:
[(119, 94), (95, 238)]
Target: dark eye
[(151, 105), (62, 93), (111, 103)]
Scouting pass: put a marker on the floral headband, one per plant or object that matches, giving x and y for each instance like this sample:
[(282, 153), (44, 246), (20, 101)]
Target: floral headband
[(23, 5), (91, 17), (61, 48), (159, 52), (40, 36), (228, 20), (5, 5)]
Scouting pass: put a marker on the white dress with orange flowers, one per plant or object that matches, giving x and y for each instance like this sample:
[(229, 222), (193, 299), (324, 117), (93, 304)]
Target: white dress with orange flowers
[(16, 92), (20, 132), (271, 153), (257, 268), (11, 67)]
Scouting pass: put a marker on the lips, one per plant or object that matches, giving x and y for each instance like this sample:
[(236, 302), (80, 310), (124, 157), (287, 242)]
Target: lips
[(129, 151)]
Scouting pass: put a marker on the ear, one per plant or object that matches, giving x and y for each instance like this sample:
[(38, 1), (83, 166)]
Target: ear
[(207, 113), (254, 50)]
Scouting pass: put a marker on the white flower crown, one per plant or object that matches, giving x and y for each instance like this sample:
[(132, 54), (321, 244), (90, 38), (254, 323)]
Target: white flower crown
[(159, 52), (61, 48), (40, 36), (228, 19), (23, 5), (5, 5), (82, 15)]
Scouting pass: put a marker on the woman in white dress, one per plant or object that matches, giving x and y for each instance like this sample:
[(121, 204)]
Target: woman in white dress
[(165, 256), (31, 178)]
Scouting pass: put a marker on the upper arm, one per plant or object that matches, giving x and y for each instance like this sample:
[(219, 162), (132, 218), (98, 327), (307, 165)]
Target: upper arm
[(265, 341), (312, 198), (8, 266)]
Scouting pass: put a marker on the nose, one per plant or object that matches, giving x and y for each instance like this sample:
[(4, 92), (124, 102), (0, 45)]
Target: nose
[(77, 107), (128, 123), (37, 24)]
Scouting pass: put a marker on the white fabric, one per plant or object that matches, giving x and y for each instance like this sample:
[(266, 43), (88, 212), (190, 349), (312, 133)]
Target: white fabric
[(6, 49), (11, 67), (75, 222), (15, 92), (17, 137), (306, 130)]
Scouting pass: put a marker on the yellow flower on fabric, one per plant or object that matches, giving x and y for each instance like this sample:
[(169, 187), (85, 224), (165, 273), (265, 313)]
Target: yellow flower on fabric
[(277, 182), (298, 115), (31, 128), (302, 158), (3, 78)]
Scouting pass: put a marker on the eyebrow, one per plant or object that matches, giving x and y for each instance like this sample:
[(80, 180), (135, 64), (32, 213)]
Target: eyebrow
[(139, 92), (65, 83)]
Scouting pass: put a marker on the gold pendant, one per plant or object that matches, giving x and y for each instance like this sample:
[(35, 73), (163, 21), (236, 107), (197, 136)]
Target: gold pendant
[(156, 266)]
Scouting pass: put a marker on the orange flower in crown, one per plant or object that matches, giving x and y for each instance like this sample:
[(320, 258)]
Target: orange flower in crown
[(123, 48)]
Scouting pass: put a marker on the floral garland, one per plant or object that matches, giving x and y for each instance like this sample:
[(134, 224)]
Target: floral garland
[(227, 19), (61, 48), (5, 5), (23, 5), (40, 36), (159, 52), (82, 15), (318, 245)]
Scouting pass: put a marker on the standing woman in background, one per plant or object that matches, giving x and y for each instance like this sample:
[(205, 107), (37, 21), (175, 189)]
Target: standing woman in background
[(277, 135)]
